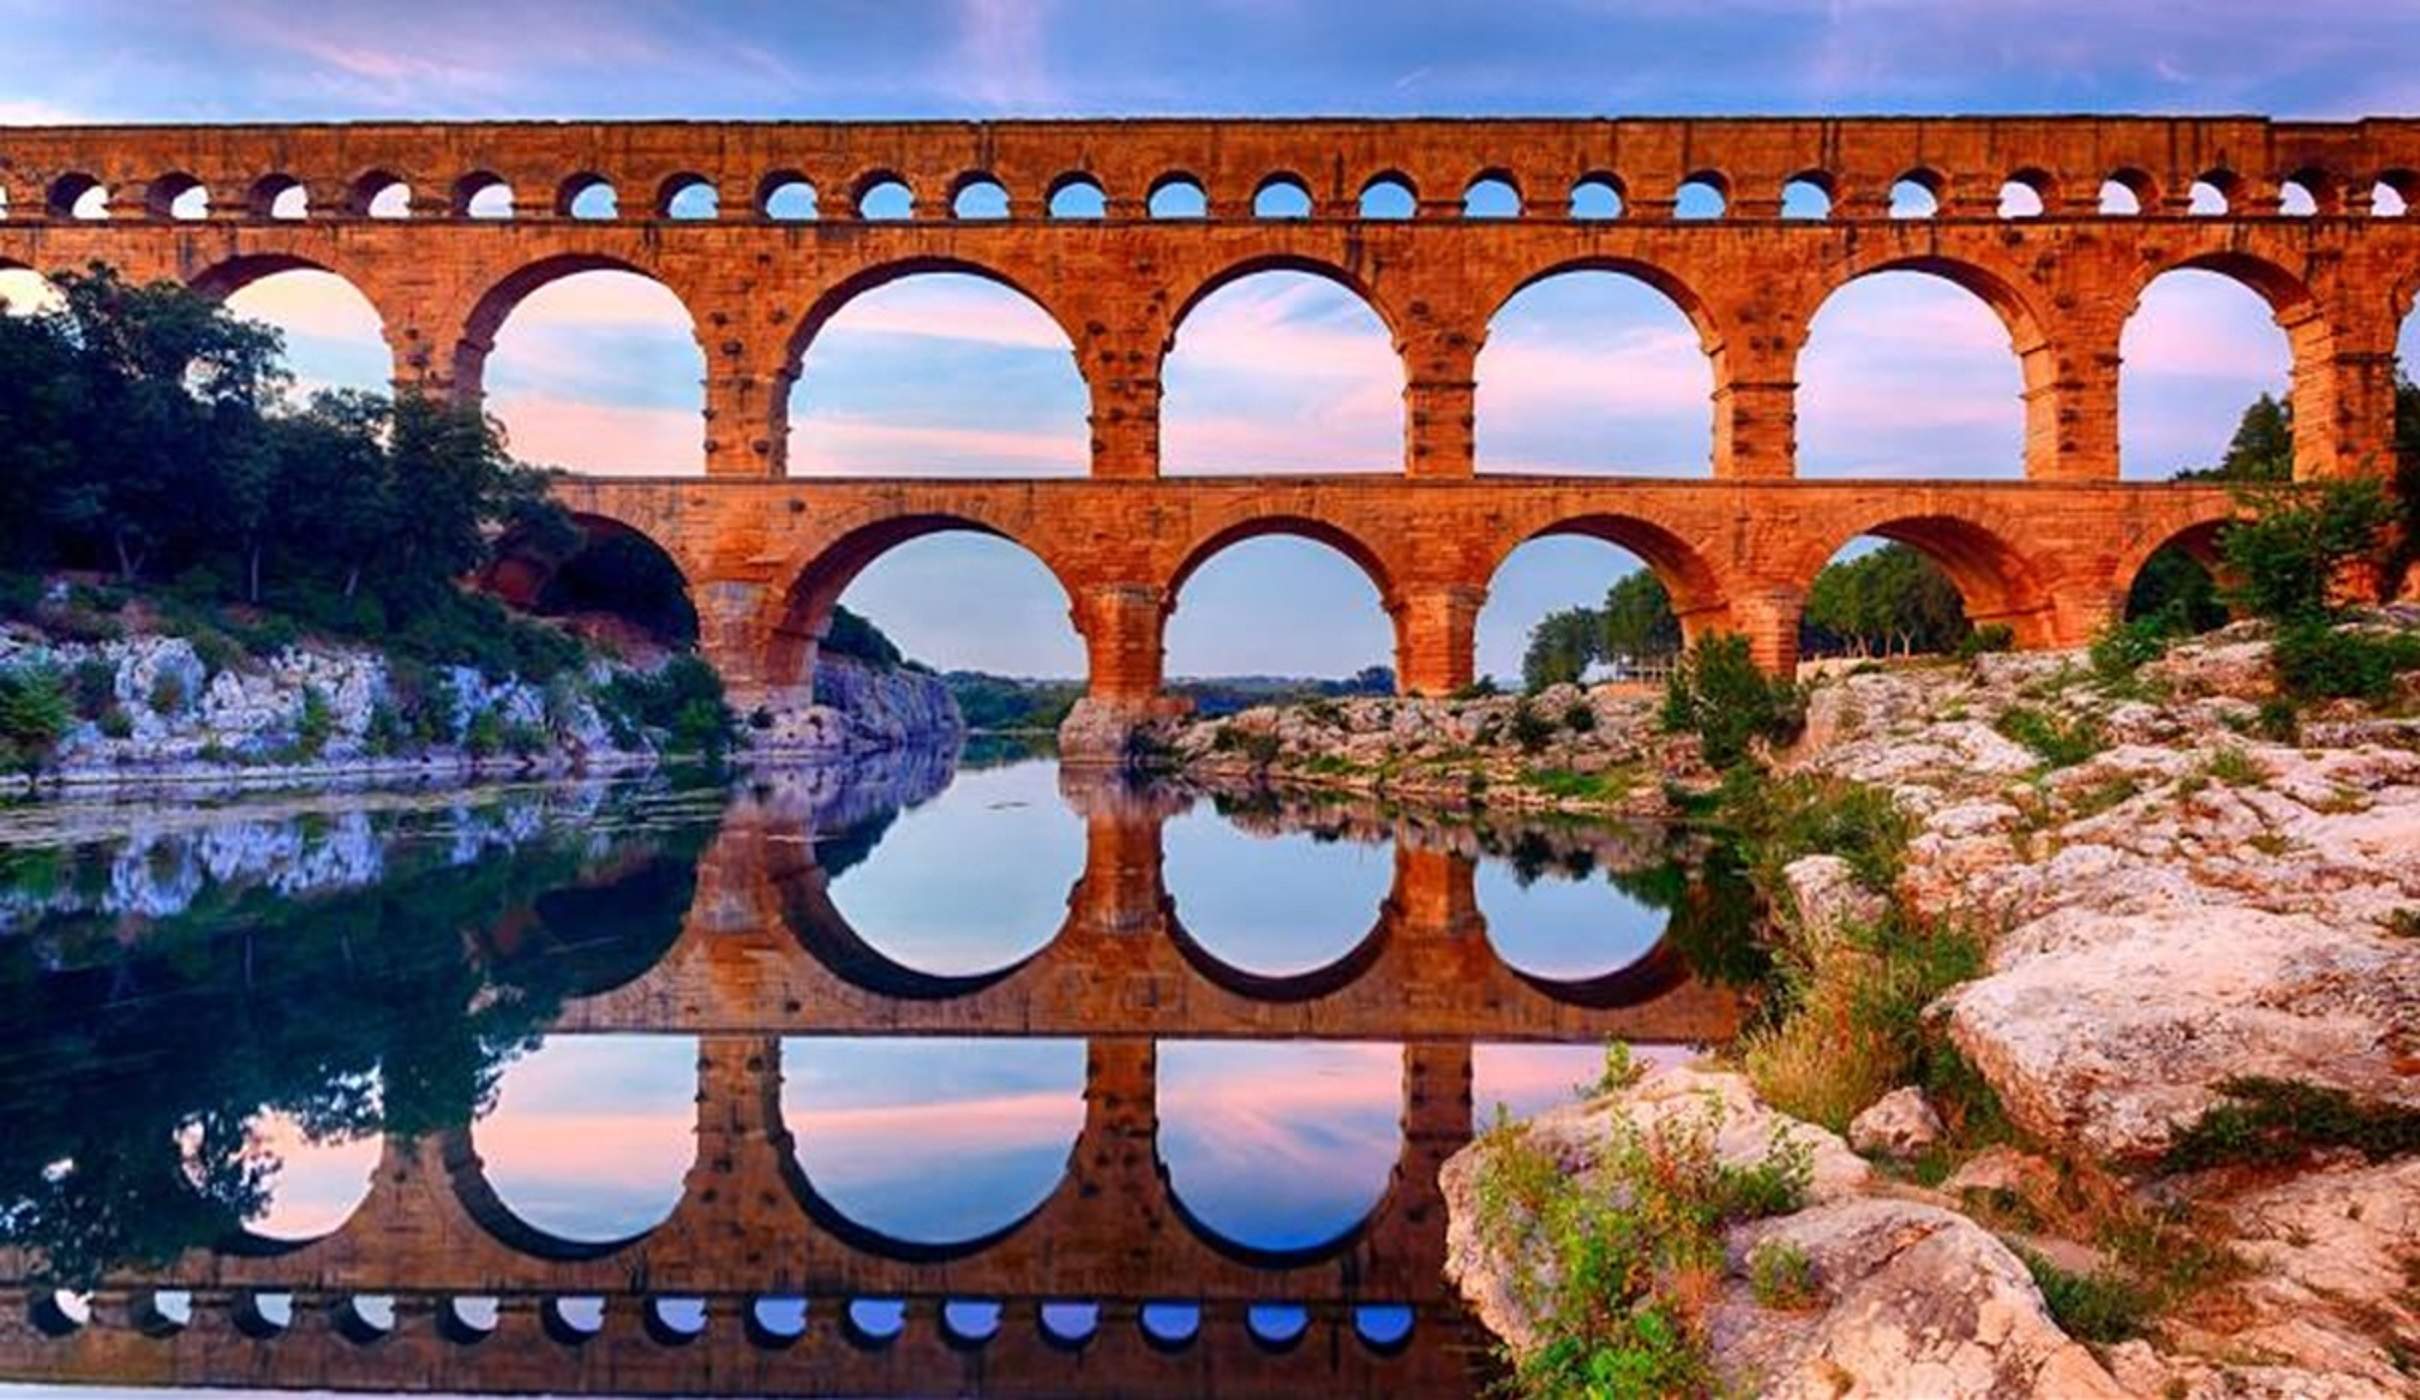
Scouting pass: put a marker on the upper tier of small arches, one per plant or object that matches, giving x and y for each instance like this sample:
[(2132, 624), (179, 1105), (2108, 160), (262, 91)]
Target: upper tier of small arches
[(1653, 170)]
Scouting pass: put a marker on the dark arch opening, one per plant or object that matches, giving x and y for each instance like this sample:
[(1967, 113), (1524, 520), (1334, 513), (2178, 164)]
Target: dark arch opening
[(1996, 585), (609, 582), (977, 195), (2180, 583)]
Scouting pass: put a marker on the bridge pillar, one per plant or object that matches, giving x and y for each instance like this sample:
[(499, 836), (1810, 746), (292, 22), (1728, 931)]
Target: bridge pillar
[(1440, 405), (2071, 400), (1122, 625), (1756, 429), (747, 423), (2343, 387), (1768, 618), (731, 636), (1436, 636)]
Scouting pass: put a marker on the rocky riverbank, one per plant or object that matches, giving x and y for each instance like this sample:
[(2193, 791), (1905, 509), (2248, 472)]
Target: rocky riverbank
[(2182, 1037)]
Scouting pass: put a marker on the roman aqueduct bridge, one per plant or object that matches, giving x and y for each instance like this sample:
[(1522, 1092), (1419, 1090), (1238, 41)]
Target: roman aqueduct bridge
[(405, 213)]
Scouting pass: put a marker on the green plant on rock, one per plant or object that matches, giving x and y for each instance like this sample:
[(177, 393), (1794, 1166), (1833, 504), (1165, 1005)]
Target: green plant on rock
[(2121, 650), (2103, 1306), (1781, 1276), (2266, 1122), (167, 697), (1531, 731), (483, 737), (1989, 638), (1613, 1263), (115, 723), (34, 715), (96, 686), (315, 725), (1717, 693), (2058, 743)]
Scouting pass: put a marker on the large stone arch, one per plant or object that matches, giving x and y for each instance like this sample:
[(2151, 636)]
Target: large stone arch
[(796, 611), (518, 571), (2010, 294), (496, 304), (1701, 596), (1189, 294), (2311, 341), (227, 276), (1999, 581)]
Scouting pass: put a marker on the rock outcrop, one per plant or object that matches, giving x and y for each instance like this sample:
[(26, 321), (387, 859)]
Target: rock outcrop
[(860, 709)]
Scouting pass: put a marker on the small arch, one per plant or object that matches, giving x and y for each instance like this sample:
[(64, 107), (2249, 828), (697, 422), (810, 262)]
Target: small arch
[(77, 195), (1995, 580), (1169, 1326), (1917, 195), (163, 1312), (177, 196), (59, 1312), (2213, 194), (481, 194), (687, 195), (1808, 195), (1283, 195), (968, 1323), (883, 197), (1067, 1324), (1597, 195), (786, 196), (2392, 196), (675, 1321), (1177, 195), (2308, 192), (262, 1314), (976, 195), (466, 1319), (1389, 196), (571, 1319), (279, 196), (1705, 194), (1277, 1327), (2128, 192), (871, 1324), (381, 194), (776, 1321), (2028, 193), (587, 195), (1492, 195), (1078, 196), (1385, 1328), (365, 1318)]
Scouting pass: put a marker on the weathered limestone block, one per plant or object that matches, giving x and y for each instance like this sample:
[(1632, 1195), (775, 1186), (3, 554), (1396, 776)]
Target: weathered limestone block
[(1900, 1124)]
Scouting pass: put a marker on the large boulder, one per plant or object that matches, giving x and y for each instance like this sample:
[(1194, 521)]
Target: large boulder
[(1909, 1300), (2108, 1032)]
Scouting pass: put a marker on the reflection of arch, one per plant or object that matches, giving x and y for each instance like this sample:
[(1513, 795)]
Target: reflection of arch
[(498, 303), (828, 937), (799, 612), (483, 1203), (1335, 537), (1280, 987), (1658, 970), (1696, 589), (1996, 580)]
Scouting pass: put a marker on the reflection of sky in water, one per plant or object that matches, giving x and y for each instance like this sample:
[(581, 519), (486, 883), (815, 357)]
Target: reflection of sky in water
[(592, 1134), (973, 880), (1528, 1078), (1279, 1145), (1275, 905), (317, 1184), (1562, 928), (934, 1141)]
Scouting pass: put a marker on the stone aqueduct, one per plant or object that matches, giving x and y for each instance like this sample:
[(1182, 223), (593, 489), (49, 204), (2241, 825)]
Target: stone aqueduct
[(766, 554)]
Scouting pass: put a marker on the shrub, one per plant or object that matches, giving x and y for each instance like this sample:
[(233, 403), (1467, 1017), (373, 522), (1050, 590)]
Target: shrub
[(2266, 1122), (1580, 718), (2319, 661), (1781, 1276), (2059, 744), (115, 723), (214, 649), (34, 714), (524, 740), (386, 732), (1531, 731), (167, 695), (484, 735), (96, 686), (1990, 637), (1806, 814), (2102, 1306), (2278, 719), (682, 701), (2119, 651), (314, 726), (760, 718), (1717, 693), (1323, 711), (1480, 689), (2286, 559)]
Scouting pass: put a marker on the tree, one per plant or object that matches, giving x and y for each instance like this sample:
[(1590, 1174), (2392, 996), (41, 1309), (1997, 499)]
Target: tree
[(1638, 618), (1561, 647), (2261, 450), (1892, 597)]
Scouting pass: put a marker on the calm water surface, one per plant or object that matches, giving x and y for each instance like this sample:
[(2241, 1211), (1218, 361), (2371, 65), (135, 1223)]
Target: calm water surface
[(921, 1076)]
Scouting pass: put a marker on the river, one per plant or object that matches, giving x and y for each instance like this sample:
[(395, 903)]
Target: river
[(935, 1074)]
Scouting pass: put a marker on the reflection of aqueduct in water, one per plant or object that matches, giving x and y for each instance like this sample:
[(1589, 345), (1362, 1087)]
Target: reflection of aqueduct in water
[(763, 954), (2052, 555)]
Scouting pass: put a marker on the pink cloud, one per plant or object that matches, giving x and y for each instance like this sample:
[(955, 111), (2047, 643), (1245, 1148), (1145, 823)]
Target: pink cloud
[(595, 437), (826, 445)]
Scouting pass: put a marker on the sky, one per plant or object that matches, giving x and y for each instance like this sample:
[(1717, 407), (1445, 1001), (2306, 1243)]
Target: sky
[(1903, 375)]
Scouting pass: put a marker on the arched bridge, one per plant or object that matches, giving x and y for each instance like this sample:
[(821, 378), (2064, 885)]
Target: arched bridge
[(446, 227)]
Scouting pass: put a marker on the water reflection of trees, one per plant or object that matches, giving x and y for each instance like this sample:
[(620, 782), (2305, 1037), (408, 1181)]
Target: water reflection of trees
[(138, 1055)]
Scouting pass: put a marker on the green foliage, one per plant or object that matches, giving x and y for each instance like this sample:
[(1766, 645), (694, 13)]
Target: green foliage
[(2058, 743), (1780, 820), (2262, 448), (1580, 717), (2125, 648), (167, 697), (314, 726), (853, 636), (2317, 660), (1893, 597), (1481, 689), (1717, 693), (1781, 1276), (1607, 786), (2267, 1122), (2285, 560), (1561, 647), (34, 715), (1988, 638), (1613, 1261), (96, 686), (2103, 1306), (682, 703), (1531, 731), (115, 723), (483, 737), (2175, 587)]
